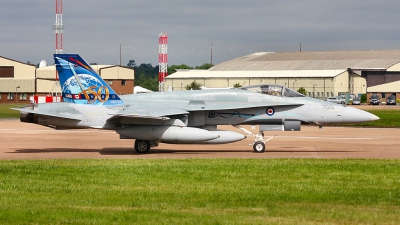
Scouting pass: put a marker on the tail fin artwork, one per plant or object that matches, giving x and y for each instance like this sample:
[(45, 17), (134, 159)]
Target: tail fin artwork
[(80, 84)]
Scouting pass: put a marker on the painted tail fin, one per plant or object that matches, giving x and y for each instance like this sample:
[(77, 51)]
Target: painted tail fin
[(80, 84)]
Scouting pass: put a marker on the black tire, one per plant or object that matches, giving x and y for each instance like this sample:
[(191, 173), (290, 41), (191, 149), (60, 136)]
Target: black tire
[(259, 147), (142, 147), (342, 103)]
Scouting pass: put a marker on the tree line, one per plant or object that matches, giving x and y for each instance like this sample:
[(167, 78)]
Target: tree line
[(147, 76)]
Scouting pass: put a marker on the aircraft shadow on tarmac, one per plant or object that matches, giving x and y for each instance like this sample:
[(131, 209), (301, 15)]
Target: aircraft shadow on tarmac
[(131, 151)]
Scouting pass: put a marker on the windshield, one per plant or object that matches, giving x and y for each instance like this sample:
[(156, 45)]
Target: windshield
[(374, 97), (273, 89)]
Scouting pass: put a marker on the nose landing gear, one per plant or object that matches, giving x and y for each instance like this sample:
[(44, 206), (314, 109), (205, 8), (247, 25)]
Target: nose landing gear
[(259, 141)]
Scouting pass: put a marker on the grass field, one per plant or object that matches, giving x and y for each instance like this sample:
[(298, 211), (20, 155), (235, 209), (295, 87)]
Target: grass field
[(6, 112), (200, 191)]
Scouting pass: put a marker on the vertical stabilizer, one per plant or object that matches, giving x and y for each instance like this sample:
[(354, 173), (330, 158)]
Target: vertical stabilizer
[(80, 84)]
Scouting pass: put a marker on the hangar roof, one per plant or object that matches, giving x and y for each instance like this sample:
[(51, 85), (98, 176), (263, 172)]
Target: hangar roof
[(259, 61), (241, 74), (3, 61)]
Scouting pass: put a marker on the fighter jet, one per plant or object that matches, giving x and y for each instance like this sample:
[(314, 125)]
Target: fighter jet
[(181, 117)]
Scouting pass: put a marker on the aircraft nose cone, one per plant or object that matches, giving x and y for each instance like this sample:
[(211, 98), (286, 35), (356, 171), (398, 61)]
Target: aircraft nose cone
[(353, 115), (373, 117)]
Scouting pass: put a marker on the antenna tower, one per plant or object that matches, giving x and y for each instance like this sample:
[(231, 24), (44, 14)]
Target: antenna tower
[(58, 26), (162, 60)]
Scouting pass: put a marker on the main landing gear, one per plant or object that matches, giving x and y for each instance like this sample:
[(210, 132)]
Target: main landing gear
[(259, 141), (143, 147)]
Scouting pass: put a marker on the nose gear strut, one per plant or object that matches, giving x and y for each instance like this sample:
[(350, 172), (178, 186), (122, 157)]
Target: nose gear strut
[(259, 141)]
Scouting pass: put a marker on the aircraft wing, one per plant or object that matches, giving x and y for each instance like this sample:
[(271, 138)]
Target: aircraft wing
[(64, 116), (154, 111), (162, 110)]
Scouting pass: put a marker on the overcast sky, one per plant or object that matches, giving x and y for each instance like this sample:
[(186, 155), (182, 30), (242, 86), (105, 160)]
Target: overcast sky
[(96, 28)]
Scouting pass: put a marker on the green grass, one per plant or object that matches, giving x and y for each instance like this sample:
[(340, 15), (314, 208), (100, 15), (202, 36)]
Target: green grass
[(200, 191), (6, 112)]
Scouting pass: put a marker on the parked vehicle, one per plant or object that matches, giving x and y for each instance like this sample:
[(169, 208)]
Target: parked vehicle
[(374, 100), (391, 100), (356, 101), (351, 96), (338, 100)]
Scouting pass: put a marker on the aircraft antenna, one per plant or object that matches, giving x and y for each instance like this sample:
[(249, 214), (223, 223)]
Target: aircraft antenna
[(162, 60)]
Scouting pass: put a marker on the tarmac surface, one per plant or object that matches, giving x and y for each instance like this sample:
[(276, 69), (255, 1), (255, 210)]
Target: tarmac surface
[(31, 141)]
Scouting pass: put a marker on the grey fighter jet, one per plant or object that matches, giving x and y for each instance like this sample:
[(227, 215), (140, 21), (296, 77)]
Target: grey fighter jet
[(181, 117)]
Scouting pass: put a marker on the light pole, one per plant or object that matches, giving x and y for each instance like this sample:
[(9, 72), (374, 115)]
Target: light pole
[(16, 99), (314, 90)]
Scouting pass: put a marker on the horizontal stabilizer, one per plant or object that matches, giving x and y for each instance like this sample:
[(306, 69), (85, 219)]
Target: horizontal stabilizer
[(46, 114)]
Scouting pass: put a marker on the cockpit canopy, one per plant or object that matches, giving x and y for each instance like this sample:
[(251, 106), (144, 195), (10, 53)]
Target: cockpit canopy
[(273, 89)]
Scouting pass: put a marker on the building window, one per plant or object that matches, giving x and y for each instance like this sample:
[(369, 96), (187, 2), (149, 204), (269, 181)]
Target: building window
[(309, 94), (22, 96), (327, 94), (383, 95), (10, 96), (332, 95), (123, 82), (322, 94), (109, 82), (318, 93)]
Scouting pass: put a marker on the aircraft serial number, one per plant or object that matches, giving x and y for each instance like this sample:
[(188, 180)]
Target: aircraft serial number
[(328, 107)]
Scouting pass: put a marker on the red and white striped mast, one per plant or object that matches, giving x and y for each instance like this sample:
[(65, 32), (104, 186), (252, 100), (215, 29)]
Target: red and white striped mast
[(162, 60), (58, 26)]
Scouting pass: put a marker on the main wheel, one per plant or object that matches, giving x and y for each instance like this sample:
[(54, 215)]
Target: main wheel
[(142, 146), (259, 147)]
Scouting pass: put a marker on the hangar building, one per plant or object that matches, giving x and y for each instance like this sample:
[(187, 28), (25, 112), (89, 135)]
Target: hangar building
[(322, 74), (16, 77), (19, 81)]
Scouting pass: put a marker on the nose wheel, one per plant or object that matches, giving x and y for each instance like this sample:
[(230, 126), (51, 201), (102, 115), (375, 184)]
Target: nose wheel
[(259, 141), (259, 147)]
